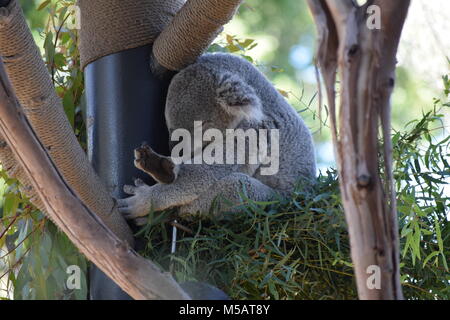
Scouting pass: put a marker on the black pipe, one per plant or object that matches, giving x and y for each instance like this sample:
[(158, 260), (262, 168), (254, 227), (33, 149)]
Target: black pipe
[(124, 107), (4, 3)]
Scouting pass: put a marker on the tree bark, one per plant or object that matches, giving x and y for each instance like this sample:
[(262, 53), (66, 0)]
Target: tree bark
[(365, 60), (137, 276), (190, 33)]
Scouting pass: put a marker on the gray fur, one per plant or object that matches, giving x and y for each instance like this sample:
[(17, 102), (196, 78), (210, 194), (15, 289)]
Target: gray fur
[(225, 92)]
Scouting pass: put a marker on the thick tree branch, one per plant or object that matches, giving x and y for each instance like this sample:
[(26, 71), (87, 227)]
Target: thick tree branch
[(191, 32), (366, 64), (393, 18), (140, 278), (327, 46)]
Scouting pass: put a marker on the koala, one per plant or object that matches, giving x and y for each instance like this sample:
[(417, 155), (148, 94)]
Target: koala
[(224, 92)]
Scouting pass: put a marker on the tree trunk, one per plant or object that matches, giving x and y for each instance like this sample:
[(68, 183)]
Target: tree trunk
[(364, 53)]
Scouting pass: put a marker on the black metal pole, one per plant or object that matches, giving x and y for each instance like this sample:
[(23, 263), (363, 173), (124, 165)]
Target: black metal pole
[(124, 107)]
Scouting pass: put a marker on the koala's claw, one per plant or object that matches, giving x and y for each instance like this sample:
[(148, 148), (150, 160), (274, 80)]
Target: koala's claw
[(138, 182), (131, 190), (139, 204)]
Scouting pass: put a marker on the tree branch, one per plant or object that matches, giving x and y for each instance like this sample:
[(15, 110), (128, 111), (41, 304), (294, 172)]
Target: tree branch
[(366, 63), (191, 32), (327, 47)]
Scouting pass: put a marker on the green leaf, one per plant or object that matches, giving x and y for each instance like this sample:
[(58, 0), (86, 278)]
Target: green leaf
[(444, 262), (246, 43), (216, 48), (248, 58), (233, 48), (43, 5), (405, 231), (430, 256), (59, 60), (49, 47), (439, 236)]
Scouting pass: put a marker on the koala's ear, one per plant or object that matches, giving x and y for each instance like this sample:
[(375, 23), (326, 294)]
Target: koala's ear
[(238, 98)]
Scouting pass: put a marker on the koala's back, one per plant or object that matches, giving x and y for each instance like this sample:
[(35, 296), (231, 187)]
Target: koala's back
[(296, 150)]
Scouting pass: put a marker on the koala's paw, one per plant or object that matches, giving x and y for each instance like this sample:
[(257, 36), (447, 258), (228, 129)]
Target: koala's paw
[(161, 168), (139, 204), (145, 158)]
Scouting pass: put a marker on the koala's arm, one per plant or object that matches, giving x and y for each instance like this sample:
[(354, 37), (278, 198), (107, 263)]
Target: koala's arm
[(193, 188), (190, 182)]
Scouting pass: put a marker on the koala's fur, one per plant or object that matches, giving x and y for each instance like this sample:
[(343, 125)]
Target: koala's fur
[(224, 91)]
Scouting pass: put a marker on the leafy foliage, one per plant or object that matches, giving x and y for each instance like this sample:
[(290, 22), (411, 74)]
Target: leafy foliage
[(422, 175), (289, 248), (34, 255)]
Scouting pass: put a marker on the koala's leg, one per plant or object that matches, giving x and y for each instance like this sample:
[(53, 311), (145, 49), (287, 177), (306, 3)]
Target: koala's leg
[(159, 167), (224, 195)]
